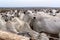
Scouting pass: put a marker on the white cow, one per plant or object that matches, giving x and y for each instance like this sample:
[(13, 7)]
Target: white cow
[(27, 17), (51, 24), (2, 24), (19, 26), (46, 23)]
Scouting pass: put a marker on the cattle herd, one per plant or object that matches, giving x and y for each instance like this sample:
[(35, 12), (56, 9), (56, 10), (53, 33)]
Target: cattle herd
[(42, 24)]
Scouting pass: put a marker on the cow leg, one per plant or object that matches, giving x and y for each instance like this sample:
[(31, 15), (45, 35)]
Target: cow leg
[(59, 36), (34, 35), (43, 36), (26, 30)]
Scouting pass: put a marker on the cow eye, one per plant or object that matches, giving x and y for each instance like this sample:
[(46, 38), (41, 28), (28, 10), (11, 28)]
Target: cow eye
[(34, 17), (6, 20), (12, 16), (24, 13)]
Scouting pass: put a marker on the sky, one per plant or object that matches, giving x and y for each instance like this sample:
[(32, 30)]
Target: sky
[(29, 3)]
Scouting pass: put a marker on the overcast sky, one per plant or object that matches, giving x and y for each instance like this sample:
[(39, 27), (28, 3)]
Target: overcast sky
[(29, 3)]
